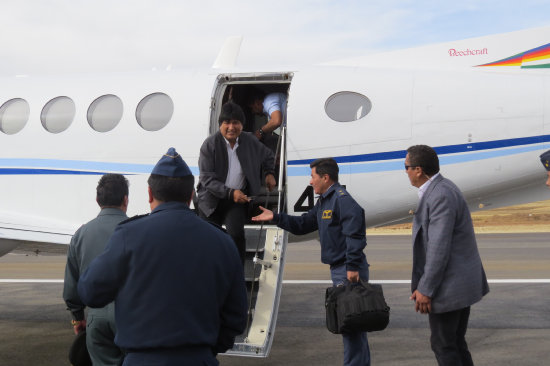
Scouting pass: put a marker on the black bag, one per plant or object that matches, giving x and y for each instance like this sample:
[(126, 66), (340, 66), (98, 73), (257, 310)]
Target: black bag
[(356, 307)]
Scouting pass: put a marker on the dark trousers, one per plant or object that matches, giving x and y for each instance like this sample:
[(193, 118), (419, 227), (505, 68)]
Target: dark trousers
[(448, 338), (233, 216)]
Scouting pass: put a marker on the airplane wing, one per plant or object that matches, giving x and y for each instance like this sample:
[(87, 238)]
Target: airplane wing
[(16, 229)]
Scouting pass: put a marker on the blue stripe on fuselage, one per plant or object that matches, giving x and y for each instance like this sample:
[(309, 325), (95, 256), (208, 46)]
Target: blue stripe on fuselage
[(350, 164)]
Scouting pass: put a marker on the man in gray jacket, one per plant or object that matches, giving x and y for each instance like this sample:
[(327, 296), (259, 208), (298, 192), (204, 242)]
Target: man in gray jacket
[(87, 243), (231, 163), (447, 275)]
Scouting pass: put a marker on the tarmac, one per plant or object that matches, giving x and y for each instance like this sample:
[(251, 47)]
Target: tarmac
[(510, 326)]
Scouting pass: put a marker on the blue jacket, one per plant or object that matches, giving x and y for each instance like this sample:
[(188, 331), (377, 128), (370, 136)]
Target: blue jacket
[(177, 281), (341, 224)]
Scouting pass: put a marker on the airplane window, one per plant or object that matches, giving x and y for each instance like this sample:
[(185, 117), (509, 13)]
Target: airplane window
[(154, 111), (105, 113), (347, 106), (14, 115), (58, 114)]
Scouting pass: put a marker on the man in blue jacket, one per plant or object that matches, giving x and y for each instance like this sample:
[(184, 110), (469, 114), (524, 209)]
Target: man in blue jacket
[(342, 229), (177, 281)]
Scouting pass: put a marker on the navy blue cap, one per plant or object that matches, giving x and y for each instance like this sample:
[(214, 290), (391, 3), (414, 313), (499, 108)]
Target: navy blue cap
[(172, 165), (545, 159)]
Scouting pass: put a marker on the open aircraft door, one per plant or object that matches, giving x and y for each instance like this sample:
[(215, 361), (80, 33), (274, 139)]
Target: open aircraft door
[(265, 243)]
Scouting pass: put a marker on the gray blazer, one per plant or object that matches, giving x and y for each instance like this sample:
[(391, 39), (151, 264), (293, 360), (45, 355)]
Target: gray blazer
[(446, 262), (254, 158)]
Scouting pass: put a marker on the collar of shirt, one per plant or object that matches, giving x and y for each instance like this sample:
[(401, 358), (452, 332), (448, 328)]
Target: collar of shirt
[(425, 186), (228, 144)]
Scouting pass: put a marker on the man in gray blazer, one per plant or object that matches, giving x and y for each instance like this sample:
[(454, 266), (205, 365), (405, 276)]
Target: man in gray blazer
[(87, 243), (447, 275), (231, 163)]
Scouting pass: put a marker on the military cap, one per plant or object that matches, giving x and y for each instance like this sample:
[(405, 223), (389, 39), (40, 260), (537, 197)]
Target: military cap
[(78, 353), (545, 159), (171, 165)]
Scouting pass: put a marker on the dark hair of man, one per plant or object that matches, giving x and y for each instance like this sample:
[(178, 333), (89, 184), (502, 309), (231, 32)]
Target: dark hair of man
[(326, 166), (231, 111), (111, 190), (168, 189), (254, 95), (424, 157)]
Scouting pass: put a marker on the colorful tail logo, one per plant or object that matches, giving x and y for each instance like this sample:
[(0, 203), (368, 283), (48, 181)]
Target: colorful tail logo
[(536, 58)]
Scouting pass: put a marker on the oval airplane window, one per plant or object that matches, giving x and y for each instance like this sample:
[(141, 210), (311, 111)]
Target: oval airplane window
[(105, 113), (347, 106), (58, 114), (14, 115), (154, 111)]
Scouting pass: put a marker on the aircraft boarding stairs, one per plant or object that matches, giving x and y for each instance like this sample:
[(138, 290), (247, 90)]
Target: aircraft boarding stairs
[(263, 270)]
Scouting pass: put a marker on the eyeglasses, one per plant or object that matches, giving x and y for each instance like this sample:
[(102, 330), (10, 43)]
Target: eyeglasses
[(410, 166)]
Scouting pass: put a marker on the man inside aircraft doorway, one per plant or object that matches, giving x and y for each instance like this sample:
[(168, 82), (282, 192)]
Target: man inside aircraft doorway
[(87, 243), (270, 106), (342, 231)]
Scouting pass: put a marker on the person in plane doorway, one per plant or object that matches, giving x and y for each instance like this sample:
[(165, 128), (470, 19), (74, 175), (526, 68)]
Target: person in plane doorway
[(177, 281), (447, 274), (87, 243), (231, 163), (545, 160), (342, 231), (270, 107)]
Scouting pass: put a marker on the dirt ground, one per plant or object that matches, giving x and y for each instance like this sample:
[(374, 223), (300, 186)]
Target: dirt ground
[(531, 217)]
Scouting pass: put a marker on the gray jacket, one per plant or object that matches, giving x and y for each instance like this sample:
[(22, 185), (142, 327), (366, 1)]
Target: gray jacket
[(87, 243), (446, 262), (255, 158)]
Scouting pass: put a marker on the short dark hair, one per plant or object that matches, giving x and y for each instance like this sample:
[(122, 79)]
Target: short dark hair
[(424, 157), (231, 111), (168, 189), (254, 95), (326, 166), (111, 190)]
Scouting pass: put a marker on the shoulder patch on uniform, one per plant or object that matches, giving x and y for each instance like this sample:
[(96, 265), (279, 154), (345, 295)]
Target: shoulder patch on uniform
[(132, 218), (342, 192)]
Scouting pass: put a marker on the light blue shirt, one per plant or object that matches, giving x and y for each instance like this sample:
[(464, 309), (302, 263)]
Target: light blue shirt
[(274, 102)]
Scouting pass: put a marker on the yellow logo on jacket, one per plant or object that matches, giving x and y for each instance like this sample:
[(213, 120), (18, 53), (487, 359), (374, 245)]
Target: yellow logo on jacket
[(327, 215)]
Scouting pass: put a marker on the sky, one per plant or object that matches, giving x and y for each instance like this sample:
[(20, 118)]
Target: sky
[(74, 36)]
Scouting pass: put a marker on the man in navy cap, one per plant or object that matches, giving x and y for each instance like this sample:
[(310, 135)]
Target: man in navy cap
[(177, 281), (231, 163), (545, 159)]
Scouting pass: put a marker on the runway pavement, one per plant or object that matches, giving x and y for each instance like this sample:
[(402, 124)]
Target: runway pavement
[(510, 326)]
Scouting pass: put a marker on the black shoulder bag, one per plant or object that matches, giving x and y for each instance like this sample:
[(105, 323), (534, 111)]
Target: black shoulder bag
[(356, 307)]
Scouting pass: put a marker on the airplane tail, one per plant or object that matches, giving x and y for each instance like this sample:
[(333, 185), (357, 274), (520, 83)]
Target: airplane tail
[(227, 58), (525, 49)]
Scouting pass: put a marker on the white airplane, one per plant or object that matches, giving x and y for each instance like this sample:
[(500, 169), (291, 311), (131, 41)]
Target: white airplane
[(482, 103)]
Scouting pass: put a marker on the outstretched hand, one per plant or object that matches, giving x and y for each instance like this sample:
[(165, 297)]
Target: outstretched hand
[(266, 215)]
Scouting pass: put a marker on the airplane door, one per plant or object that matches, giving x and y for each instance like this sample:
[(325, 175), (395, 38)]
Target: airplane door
[(265, 244)]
